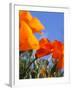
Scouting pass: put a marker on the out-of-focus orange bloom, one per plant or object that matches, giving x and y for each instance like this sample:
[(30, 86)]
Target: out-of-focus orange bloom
[(27, 39), (36, 25), (45, 48), (27, 27)]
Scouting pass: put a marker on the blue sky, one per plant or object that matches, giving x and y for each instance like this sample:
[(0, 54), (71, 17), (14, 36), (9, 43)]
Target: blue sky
[(53, 23)]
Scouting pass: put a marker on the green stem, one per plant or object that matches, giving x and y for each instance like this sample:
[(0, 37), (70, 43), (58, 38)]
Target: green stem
[(30, 65)]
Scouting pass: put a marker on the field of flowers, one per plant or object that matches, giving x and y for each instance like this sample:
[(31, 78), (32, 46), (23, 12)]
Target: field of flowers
[(38, 58)]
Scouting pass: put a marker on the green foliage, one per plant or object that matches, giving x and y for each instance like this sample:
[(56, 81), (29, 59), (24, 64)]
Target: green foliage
[(30, 67)]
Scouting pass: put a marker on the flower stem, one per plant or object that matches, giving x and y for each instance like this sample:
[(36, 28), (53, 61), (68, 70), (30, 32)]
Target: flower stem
[(29, 66)]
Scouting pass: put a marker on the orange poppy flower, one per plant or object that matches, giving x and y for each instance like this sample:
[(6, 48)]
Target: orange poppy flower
[(27, 39), (58, 53), (45, 48)]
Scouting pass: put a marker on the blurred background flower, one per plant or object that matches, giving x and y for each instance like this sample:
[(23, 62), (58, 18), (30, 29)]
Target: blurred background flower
[(28, 26)]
